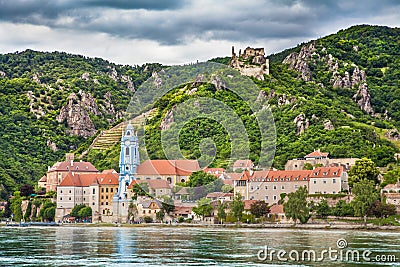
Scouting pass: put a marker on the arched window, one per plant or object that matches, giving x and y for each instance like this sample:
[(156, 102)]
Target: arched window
[(169, 180)]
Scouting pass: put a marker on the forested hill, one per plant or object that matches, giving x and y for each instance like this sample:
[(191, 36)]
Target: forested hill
[(339, 93)]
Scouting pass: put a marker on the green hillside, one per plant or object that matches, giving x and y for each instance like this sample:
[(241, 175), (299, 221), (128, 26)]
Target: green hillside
[(37, 90)]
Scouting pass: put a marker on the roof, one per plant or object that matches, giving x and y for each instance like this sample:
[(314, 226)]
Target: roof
[(247, 203), (392, 186), (276, 209), (158, 184), (109, 171), (168, 167), (81, 166), (183, 210), (132, 184), (281, 176), (87, 179), (43, 179), (147, 203), (243, 163), (214, 171), (317, 154), (183, 191), (244, 176), (327, 172)]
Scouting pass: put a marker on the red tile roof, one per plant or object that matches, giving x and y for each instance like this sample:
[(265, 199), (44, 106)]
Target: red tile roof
[(84, 180), (326, 172), (317, 154), (281, 176), (182, 210), (183, 191), (242, 176), (247, 203), (276, 209), (158, 184), (168, 167), (81, 166), (109, 171), (43, 179)]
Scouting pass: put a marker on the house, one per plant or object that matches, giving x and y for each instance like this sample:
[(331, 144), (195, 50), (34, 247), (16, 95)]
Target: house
[(276, 214), (320, 158), (172, 171), (42, 183), (148, 208), (184, 211), (95, 190), (392, 194), (270, 185), (158, 188), (56, 174), (328, 180), (223, 197), (217, 172), (243, 164), (182, 194), (241, 185)]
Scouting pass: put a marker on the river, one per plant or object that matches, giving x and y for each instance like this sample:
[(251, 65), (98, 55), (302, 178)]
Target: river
[(180, 246)]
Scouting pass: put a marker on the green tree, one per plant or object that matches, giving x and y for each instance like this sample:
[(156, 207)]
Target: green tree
[(49, 214), (343, 209), (200, 178), (28, 211), (363, 169), (227, 188), (221, 211), (203, 208), (76, 209), (16, 208), (85, 213), (140, 189), (365, 195), (168, 204), (237, 207), (323, 208), (160, 215), (381, 210), (259, 208), (296, 206)]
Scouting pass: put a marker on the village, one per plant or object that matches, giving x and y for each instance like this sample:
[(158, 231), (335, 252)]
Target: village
[(157, 190)]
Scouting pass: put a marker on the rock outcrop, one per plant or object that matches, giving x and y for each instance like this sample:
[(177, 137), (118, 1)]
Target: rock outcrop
[(76, 116), (328, 125), (302, 123), (285, 100), (299, 61), (52, 145), (129, 84), (34, 106), (168, 119), (157, 80), (251, 63), (2, 74), (393, 134), (363, 98)]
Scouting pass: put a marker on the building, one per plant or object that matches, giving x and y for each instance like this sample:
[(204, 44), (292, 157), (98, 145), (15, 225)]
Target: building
[(172, 171), (320, 158), (91, 189), (159, 188), (148, 208), (269, 185), (392, 194), (328, 180), (276, 214), (243, 164), (60, 170), (221, 196), (42, 183), (217, 172), (128, 165)]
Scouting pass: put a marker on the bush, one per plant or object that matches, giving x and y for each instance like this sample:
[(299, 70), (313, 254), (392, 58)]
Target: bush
[(181, 219), (148, 219)]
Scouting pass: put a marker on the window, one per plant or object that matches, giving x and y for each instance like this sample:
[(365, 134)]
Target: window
[(102, 190), (70, 191), (104, 212), (127, 151), (324, 181), (107, 190), (107, 203), (258, 187), (266, 197), (84, 199), (61, 191), (315, 181), (296, 186), (325, 173), (251, 188), (102, 197), (334, 173), (282, 187), (274, 187), (275, 197), (266, 187), (127, 168), (60, 198), (102, 203), (93, 203), (334, 181), (69, 198), (334, 192), (106, 196), (94, 191)]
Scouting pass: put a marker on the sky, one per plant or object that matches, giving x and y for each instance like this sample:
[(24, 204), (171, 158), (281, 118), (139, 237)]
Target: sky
[(179, 31)]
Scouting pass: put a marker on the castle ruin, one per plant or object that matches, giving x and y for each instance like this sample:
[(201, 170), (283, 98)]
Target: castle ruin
[(252, 62)]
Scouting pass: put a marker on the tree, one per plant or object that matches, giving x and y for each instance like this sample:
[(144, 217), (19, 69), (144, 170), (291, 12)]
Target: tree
[(221, 211), (26, 190), (380, 209), (259, 208), (343, 209), (296, 205), (140, 189), (85, 213), (227, 188), (237, 207), (323, 209), (363, 169), (48, 211), (147, 219), (28, 211), (365, 195), (168, 204), (15, 206), (160, 215), (203, 208), (76, 209), (200, 178)]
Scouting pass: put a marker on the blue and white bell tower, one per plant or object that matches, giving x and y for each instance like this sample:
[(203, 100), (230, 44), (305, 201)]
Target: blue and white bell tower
[(128, 161)]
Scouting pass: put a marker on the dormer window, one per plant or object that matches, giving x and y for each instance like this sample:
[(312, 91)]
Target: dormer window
[(334, 173), (128, 133), (325, 173)]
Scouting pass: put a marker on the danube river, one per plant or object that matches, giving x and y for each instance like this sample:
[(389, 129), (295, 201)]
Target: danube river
[(179, 246)]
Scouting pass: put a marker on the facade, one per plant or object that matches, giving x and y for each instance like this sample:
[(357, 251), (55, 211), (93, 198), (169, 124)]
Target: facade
[(56, 174), (172, 171), (148, 208), (128, 165), (392, 194), (42, 183), (223, 197), (91, 189), (321, 158), (243, 164), (269, 185)]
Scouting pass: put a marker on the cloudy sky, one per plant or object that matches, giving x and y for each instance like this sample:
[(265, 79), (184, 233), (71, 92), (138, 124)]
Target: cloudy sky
[(178, 31)]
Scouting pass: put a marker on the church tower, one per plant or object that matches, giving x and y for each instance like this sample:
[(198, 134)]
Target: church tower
[(128, 163)]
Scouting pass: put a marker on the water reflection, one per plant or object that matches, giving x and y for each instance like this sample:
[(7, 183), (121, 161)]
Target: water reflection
[(149, 246)]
